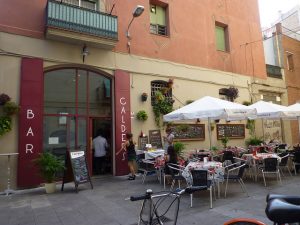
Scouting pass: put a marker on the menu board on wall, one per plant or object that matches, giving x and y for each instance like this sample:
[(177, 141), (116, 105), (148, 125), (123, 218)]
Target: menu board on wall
[(155, 138), (142, 142), (188, 132), (231, 131)]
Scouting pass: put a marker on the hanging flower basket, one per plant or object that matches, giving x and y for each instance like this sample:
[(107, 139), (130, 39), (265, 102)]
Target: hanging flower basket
[(144, 97)]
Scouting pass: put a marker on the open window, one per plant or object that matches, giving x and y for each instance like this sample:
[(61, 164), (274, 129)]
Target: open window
[(158, 18)]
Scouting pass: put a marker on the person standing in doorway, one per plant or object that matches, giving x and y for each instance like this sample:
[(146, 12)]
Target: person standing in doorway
[(129, 146), (100, 146)]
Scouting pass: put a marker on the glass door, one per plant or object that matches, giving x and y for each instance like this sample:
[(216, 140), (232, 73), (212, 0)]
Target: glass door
[(62, 133), (103, 126)]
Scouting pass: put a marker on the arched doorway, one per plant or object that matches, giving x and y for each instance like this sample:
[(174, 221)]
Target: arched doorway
[(77, 103)]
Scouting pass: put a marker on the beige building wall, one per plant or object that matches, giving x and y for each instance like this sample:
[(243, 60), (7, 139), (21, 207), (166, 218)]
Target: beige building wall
[(190, 83)]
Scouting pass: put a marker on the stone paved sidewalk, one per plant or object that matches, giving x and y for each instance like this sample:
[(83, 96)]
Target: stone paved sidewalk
[(106, 204)]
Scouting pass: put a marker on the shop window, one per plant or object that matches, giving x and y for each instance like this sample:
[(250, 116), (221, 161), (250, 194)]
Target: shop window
[(222, 39), (163, 87), (158, 20), (290, 61)]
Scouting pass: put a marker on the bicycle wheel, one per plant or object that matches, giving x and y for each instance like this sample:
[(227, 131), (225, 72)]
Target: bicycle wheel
[(165, 209), (243, 221)]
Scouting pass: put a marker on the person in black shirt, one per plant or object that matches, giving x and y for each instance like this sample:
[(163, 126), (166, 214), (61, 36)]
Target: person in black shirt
[(129, 146)]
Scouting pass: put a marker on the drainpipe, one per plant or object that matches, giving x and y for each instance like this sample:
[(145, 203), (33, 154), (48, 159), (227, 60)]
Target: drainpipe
[(278, 32)]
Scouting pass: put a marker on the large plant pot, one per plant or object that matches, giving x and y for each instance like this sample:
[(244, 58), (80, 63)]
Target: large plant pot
[(50, 187)]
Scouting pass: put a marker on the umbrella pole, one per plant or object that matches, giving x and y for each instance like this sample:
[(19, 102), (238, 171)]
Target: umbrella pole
[(263, 130), (298, 118), (209, 133)]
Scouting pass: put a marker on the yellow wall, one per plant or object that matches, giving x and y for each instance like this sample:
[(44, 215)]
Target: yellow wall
[(190, 82)]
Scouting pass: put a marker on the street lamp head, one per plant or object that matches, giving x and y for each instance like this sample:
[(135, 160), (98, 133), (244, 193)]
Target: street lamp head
[(139, 9)]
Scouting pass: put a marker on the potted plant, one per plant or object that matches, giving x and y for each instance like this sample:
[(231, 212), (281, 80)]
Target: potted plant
[(5, 125), (49, 166), (179, 147), (170, 83), (254, 141), (224, 141), (144, 97), (4, 98), (10, 108), (142, 115)]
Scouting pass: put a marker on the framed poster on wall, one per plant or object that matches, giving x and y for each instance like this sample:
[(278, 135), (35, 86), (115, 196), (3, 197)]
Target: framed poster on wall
[(188, 132)]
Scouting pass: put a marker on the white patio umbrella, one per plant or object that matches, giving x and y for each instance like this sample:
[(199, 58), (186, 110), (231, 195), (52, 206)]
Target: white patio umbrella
[(295, 108), (267, 110), (211, 108)]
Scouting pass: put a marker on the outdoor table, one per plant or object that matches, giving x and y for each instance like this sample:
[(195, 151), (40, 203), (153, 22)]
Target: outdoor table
[(259, 157), (215, 171), (152, 154), (8, 191)]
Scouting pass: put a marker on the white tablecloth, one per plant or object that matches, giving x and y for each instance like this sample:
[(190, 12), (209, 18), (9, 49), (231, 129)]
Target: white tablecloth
[(151, 154)]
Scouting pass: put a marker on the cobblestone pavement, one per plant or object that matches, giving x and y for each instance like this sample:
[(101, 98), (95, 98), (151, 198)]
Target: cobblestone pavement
[(106, 204)]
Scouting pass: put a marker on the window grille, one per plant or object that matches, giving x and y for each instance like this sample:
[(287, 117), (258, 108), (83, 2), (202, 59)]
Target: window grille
[(160, 86)]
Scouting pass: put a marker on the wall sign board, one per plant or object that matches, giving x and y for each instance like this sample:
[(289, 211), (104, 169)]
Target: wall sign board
[(233, 131), (188, 132), (155, 138)]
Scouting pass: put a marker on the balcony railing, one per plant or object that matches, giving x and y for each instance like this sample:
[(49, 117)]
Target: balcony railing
[(73, 18)]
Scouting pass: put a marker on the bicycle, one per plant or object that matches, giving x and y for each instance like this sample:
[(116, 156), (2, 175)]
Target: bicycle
[(157, 207), (280, 209)]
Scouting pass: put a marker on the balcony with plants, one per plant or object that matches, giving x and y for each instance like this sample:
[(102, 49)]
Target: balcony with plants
[(66, 21)]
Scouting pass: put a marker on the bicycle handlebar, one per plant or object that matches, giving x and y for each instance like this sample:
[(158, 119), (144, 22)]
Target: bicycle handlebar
[(149, 194), (140, 197)]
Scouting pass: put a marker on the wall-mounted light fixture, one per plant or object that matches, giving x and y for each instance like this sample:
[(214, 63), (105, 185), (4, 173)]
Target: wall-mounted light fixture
[(85, 52), (139, 9)]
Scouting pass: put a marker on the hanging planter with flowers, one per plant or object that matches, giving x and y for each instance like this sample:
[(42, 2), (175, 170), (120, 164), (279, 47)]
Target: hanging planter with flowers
[(9, 109)]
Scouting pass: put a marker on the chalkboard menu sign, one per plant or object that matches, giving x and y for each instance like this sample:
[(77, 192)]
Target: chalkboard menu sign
[(77, 165), (230, 131), (142, 142), (155, 138), (188, 132)]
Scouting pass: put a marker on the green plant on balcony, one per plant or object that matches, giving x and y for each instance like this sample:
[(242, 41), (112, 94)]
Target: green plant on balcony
[(142, 115), (161, 106)]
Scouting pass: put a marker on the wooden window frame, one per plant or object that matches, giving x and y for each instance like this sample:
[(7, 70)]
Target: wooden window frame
[(226, 36)]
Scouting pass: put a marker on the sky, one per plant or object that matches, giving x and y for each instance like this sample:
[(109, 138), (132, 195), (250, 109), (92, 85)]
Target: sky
[(268, 10)]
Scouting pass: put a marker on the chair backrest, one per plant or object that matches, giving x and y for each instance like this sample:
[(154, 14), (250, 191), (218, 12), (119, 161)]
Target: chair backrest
[(241, 170), (270, 164), (228, 155), (284, 158), (296, 156), (282, 146), (199, 177), (174, 169)]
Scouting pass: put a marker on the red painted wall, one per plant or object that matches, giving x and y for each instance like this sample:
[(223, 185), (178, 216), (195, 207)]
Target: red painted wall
[(123, 117), (23, 17), (192, 33), (30, 121)]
